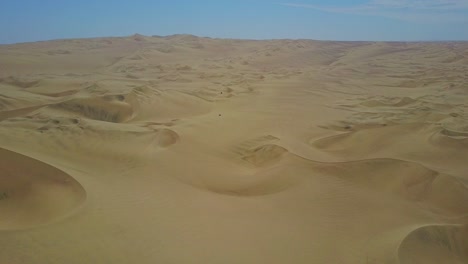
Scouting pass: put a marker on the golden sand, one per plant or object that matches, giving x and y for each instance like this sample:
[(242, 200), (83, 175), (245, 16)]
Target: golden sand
[(183, 149)]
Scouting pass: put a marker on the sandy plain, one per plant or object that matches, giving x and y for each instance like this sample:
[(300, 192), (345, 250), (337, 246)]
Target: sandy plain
[(183, 149)]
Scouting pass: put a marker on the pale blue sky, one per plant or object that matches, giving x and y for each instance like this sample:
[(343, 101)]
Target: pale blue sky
[(407, 20)]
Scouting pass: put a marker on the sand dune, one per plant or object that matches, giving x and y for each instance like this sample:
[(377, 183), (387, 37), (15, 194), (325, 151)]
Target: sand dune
[(405, 179), (183, 149), (109, 108), (435, 244), (34, 193)]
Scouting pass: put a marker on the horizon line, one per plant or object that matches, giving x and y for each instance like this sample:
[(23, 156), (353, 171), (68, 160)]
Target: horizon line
[(229, 38)]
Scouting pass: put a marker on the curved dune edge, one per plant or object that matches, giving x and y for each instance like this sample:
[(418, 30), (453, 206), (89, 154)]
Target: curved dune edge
[(18, 112), (115, 109), (453, 133), (435, 244), (408, 180), (138, 104), (459, 134), (276, 169), (273, 172), (265, 182), (19, 82), (33, 193), (393, 102), (167, 137), (370, 138), (265, 155), (448, 139), (270, 169)]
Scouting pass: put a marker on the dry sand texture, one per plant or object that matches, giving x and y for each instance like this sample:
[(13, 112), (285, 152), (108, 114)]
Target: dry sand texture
[(183, 149)]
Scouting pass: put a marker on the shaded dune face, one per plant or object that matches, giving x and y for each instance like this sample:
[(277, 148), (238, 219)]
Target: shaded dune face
[(114, 109), (452, 134), (269, 169), (370, 139), (276, 169), (19, 82), (264, 155), (34, 193), (435, 244), (398, 102), (264, 182), (408, 180), (17, 112), (167, 137)]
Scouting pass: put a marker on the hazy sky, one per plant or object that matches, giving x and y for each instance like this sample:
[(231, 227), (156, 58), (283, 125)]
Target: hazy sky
[(31, 20)]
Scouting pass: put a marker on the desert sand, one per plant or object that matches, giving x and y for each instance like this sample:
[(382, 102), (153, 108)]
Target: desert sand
[(183, 149)]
